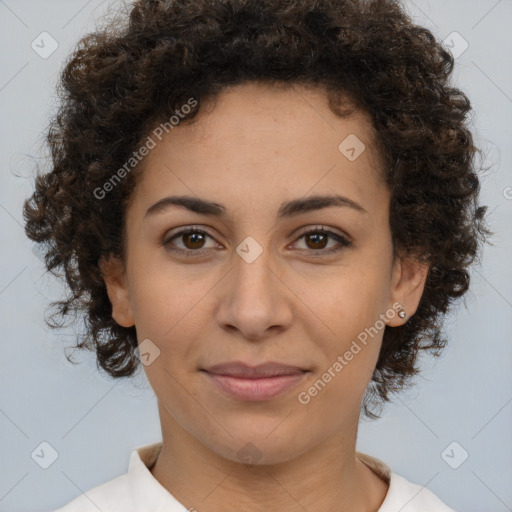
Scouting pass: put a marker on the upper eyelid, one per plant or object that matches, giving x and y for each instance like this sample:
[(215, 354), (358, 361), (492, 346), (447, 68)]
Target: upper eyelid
[(184, 229)]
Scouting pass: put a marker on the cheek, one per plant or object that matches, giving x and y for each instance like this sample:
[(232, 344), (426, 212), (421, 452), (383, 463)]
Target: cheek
[(339, 383), (347, 328), (348, 301), (172, 308), (164, 299)]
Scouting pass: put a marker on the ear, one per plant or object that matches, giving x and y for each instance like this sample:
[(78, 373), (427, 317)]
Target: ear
[(408, 282), (114, 275)]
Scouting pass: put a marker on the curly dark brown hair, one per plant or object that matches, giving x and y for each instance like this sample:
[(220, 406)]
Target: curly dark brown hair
[(135, 71)]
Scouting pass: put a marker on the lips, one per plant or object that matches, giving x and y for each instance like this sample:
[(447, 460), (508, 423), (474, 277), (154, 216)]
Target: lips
[(254, 383), (265, 370)]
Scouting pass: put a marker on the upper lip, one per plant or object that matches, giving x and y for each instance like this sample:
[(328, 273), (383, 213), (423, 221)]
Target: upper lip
[(239, 369)]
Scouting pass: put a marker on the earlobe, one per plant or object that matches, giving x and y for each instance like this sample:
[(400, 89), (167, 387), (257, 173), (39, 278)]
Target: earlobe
[(408, 283), (114, 275)]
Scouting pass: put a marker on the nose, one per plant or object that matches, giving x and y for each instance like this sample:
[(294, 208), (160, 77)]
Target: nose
[(255, 301)]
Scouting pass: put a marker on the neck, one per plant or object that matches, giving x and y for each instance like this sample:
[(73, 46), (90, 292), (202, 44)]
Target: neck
[(328, 477)]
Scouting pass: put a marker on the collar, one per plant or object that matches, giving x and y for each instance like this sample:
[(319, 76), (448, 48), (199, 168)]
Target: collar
[(376, 465), (146, 490)]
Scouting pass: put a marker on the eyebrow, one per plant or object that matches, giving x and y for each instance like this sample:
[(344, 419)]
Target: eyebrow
[(287, 209)]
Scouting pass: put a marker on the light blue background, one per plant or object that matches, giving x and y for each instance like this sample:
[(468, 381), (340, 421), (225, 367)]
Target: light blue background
[(94, 422)]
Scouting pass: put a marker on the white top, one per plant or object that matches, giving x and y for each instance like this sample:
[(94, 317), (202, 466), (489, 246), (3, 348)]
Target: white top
[(139, 491)]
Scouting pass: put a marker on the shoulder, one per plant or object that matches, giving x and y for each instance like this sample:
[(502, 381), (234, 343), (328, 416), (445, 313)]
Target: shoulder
[(402, 494), (107, 497), (125, 493), (410, 497)]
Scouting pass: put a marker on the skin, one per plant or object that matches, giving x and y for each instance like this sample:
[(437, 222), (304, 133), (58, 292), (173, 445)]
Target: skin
[(253, 148)]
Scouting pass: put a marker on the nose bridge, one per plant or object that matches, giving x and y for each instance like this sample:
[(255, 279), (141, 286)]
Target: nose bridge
[(254, 299), (253, 278)]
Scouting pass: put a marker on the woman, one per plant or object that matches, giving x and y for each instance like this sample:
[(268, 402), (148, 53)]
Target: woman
[(270, 205)]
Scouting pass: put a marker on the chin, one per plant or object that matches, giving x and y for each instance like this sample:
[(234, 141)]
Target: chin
[(259, 445)]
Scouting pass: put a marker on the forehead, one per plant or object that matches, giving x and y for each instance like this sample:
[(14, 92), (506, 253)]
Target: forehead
[(259, 144), (273, 117)]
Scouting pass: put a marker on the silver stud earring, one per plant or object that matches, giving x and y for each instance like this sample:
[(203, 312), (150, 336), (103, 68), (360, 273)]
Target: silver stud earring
[(401, 314)]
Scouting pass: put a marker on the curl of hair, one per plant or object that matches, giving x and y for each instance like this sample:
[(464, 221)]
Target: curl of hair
[(125, 78)]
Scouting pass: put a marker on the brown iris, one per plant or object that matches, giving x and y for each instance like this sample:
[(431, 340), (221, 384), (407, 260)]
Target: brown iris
[(196, 239), (321, 239)]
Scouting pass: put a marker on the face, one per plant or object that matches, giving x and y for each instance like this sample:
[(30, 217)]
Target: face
[(248, 283)]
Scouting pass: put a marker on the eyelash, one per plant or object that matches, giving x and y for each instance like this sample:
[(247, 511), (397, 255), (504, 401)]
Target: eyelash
[(344, 242)]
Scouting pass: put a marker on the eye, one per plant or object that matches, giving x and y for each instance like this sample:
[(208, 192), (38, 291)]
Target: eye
[(316, 240), (193, 239)]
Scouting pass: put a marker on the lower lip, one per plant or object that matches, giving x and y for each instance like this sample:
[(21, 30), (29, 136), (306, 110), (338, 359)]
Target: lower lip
[(255, 389)]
